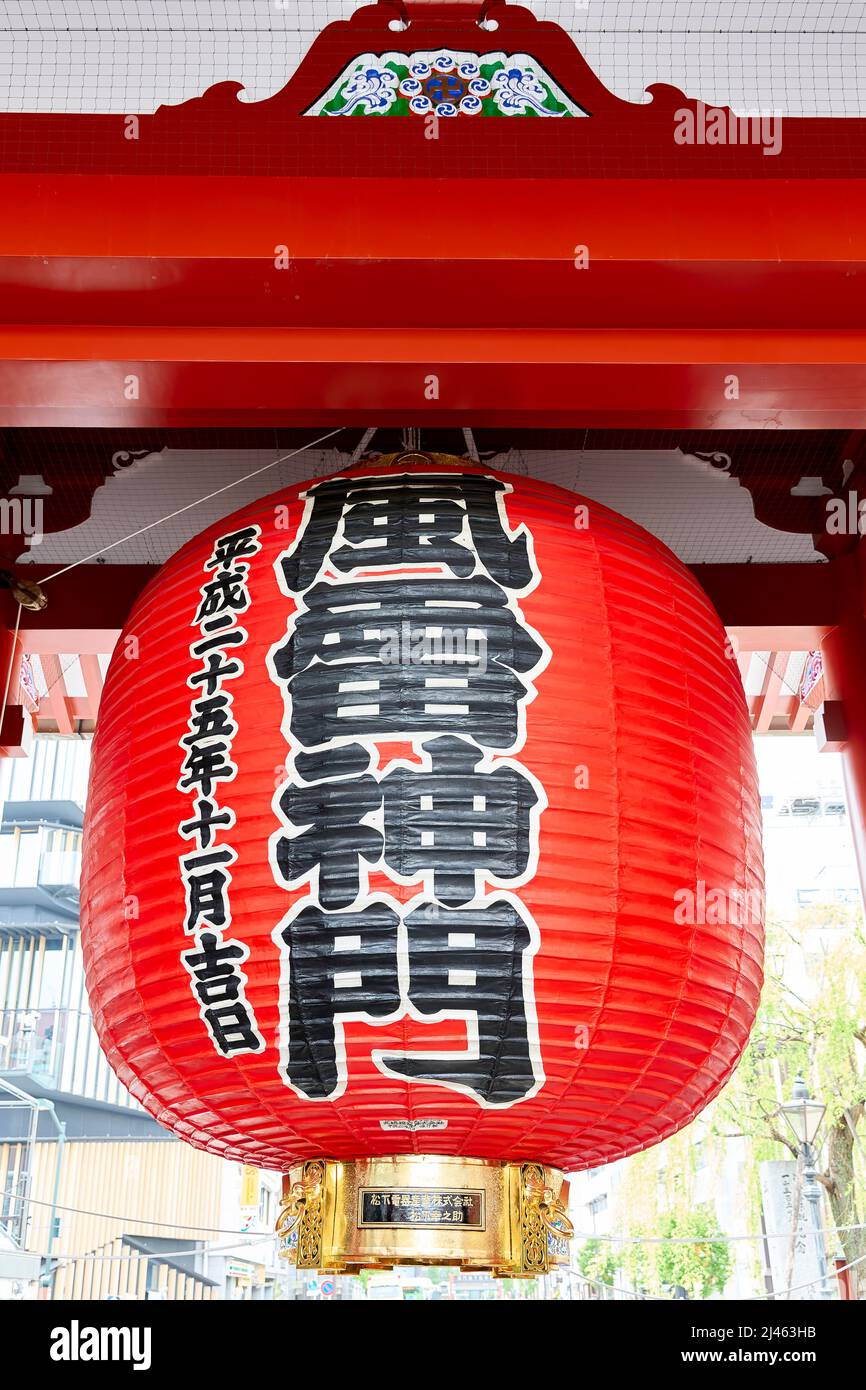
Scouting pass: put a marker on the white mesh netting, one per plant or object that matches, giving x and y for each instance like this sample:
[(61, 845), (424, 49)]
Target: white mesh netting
[(792, 57)]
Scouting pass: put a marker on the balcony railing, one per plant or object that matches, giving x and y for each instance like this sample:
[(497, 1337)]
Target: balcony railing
[(58, 1047), (31, 1042), (60, 868)]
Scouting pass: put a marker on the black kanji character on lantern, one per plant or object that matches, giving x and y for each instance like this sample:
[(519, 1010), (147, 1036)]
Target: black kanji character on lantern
[(335, 837), (409, 519), (216, 670), (374, 701), (453, 824), (214, 968), (471, 961), (348, 679), (236, 545), (339, 966), (210, 718), (226, 592), (206, 764), (206, 887), (208, 815), (204, 645), (233, 1029), (423, 620)]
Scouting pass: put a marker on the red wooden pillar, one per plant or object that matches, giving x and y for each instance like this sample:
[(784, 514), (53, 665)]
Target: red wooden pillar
[(843, 1278), (844, 657)]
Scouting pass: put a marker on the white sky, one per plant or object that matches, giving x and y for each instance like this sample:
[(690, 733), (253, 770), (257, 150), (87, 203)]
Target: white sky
[(789, 765)]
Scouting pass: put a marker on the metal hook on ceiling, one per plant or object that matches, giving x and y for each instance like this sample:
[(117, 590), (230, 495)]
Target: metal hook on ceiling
[(403, 22), (483, 21)]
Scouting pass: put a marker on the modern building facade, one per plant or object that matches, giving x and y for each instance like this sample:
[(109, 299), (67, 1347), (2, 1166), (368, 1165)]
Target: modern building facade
[(69, 1131)]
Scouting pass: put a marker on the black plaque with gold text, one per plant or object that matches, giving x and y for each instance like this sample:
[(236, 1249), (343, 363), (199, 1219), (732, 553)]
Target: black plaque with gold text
[(379, 1206)]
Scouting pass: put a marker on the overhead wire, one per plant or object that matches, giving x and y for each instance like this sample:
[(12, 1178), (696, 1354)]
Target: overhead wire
[(579, 1235), (217, 492)]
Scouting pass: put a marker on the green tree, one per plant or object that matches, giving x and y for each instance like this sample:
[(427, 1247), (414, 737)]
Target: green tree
[(702, 1262), (657, 1200), (817, 1028), (598, 1263)]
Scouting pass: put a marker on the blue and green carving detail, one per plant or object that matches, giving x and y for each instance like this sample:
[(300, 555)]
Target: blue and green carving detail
[(444, 83)]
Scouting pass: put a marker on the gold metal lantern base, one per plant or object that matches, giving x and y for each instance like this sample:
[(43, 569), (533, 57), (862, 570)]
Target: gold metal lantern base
[(508, 1219)]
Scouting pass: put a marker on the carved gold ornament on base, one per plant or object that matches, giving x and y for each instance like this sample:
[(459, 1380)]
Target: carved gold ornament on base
[(418, 1209)]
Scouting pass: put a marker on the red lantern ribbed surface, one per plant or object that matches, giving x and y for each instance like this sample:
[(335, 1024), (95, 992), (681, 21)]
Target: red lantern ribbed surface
[(596, 942)]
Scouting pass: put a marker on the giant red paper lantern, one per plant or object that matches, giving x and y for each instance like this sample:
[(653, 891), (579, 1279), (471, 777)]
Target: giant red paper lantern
[(423, 818)]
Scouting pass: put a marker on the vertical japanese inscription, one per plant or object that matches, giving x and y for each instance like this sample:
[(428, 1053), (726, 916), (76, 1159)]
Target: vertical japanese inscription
[(215, 963), (407, 629)]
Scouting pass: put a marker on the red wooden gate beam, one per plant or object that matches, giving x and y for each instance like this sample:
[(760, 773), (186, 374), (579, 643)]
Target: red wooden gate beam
[(683, 291), (80, 376), (202, 251), (777, 608), (87, 607)]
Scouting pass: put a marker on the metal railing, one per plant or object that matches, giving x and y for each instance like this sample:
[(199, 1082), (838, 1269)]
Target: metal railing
[(32, 1040), (59, 868)]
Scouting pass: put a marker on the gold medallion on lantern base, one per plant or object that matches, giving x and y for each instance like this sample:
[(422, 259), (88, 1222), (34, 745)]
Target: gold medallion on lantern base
[(420, 1209)]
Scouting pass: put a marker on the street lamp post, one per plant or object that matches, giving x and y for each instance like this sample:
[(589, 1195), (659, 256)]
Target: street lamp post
[(804, 1116)]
